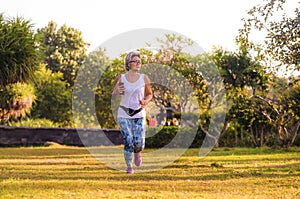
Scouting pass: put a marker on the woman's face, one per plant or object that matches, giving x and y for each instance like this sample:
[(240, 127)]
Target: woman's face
[(135, 63)]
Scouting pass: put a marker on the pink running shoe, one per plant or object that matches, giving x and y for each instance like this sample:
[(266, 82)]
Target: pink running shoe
[(129, 170), (137, 159)]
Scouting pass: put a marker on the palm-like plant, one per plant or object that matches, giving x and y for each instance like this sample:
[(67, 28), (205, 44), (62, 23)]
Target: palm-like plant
[(19, 58), (18, 50)]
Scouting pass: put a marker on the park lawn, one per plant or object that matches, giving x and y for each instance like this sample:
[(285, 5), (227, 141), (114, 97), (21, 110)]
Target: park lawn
[(72, 172)]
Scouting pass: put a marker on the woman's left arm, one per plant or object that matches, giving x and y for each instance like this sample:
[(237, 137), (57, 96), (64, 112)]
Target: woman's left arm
[(148, 92)]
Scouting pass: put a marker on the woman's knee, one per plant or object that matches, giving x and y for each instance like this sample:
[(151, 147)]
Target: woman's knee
[(138, 148)]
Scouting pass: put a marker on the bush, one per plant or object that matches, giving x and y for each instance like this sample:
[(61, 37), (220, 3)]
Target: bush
[(53, 97), (16, 101), (166, 137), (34, 123)]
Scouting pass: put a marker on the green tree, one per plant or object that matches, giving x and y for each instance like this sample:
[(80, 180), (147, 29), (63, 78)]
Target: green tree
[(252, 125), (64, 49), (89, 86), (166, 69), (280, 47), (106, 106), (240, 70), (178, 73), (18, 50), (282, 40), (280, 109), (242, 77), (19, 59), (53, 99)]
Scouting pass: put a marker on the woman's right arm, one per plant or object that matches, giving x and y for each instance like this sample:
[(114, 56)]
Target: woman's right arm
[(116, 84)]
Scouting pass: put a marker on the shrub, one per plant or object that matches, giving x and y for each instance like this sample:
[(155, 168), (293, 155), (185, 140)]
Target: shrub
[(16, 101), (34, 123), (53, 97), (166, 137)]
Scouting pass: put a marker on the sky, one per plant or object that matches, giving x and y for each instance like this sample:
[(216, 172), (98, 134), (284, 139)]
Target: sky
[(208, 23)]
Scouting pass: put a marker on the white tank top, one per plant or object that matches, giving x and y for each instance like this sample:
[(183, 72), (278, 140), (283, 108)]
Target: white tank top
[(134, 92)]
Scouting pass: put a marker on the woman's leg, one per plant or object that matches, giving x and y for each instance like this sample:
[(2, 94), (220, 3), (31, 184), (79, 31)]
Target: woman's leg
[(139, 134), (139, 139), (126, 129)]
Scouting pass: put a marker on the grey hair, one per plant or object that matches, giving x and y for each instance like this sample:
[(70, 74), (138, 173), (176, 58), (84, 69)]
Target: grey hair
[(128, 59)]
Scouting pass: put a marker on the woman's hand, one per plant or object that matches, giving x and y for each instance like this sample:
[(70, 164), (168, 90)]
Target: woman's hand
[(143, 103), (121, 88)]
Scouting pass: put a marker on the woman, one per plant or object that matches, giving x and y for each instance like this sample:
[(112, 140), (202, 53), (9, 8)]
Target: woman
[(136, 93)]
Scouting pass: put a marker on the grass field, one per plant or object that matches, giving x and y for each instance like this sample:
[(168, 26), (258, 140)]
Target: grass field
[(72, 172)]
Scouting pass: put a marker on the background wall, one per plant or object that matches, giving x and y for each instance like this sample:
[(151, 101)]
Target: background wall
[(25, 136)]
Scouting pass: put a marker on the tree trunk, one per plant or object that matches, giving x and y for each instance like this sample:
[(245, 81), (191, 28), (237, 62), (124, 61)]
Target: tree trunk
[(242, 134), (294, 134), (262, 136), (279, 136), (253, 136)]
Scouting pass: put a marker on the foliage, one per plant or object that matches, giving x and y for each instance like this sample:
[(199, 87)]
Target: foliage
[(242, 76), (106, 105), (16, 101), (292, 99), (261, 109), (18, 50), (30, 122), (166, 135), (63, 49), (283, 40), (53, 97), (19, 58), (237, 136), (91, 107), (281, 43), (239, 69), (277, 110), (176, 80)]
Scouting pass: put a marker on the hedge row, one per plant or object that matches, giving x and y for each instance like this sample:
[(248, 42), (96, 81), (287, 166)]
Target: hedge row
[(187, 137), (172, 136)]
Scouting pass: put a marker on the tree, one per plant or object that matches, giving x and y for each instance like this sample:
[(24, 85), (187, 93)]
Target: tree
[(64, 49), (282, 40), (172, 76), (88, 86), (240, 70), (19, 59), (280, 47), (241, 75), (106, 107), (53, 99), (18, 50), (177, 71)]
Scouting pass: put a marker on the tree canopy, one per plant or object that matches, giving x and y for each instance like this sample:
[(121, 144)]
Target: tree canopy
[(282, 40), (63, 49)]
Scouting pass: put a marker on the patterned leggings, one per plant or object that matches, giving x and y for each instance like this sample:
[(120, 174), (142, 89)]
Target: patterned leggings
[(133, 131)]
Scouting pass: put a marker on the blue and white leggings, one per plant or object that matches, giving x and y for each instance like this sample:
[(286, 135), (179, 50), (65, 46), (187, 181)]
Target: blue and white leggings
[(133, 130)]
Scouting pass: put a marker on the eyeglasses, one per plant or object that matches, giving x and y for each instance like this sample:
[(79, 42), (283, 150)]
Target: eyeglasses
[(136, 61)]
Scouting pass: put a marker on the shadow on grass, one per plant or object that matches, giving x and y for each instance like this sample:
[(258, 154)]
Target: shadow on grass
[(77, 164), (171, 173)]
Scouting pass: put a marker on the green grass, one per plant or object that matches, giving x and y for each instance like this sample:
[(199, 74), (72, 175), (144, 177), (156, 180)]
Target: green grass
[(72, 172)]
